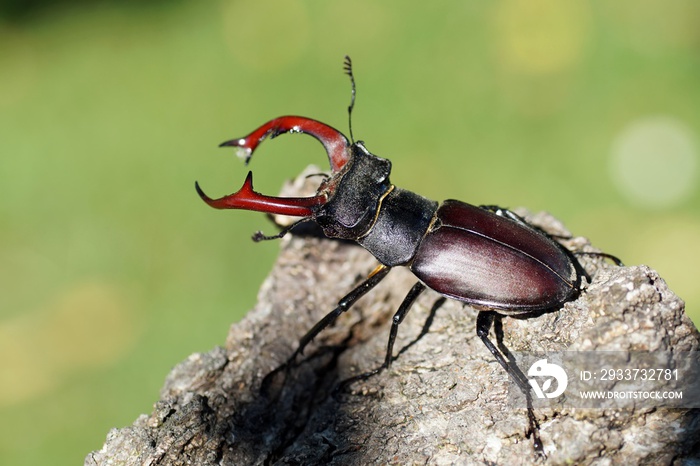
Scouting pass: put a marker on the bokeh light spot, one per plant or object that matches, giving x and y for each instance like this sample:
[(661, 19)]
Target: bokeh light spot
[(266, 35), (20, 377), (538, 37), (89, 325), (86, 325), (654, 162)]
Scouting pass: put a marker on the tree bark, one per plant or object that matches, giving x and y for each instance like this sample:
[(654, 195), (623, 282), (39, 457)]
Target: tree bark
[(443, 401)]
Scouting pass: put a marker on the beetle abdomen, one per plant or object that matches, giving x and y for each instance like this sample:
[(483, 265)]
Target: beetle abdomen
[(476, 256)]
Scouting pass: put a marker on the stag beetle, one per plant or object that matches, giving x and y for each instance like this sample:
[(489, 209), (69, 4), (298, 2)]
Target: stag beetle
[(485, 256)]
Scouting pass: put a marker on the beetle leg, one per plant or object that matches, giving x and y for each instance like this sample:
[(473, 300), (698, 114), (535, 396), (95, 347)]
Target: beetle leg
[(605, 255), (426, 326), (260, 236), (484, 322), (408, 301), (343, 305)]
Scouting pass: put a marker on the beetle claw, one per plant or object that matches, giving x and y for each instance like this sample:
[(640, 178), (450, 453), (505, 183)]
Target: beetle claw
[(203, 196), (337, 147), (243, 150), (232, 142), (335, 143), (247, 199)]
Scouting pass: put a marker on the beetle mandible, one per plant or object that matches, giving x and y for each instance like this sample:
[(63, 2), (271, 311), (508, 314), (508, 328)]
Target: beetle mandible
[(484, 256)]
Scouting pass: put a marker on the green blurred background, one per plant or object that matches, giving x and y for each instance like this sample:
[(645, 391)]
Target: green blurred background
[(111, 268)]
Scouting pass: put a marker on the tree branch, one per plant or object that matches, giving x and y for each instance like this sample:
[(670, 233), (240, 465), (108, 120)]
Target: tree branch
[(442, 402)]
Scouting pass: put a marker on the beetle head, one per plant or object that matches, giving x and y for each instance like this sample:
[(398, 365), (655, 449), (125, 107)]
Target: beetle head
[(345, 205), (352, 209)]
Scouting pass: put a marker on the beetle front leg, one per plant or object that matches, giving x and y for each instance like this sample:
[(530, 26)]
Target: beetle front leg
[(343, 305), (260, 236), (406, 305), (408, 301)]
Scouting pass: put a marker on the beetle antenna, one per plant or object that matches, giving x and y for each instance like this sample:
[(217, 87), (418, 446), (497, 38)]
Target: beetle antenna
[(347, 66)]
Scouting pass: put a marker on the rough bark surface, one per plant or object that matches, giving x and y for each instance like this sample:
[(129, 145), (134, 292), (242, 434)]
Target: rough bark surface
[(444, 400)]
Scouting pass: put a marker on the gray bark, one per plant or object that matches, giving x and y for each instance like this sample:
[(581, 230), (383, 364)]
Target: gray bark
[(443, 401)]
